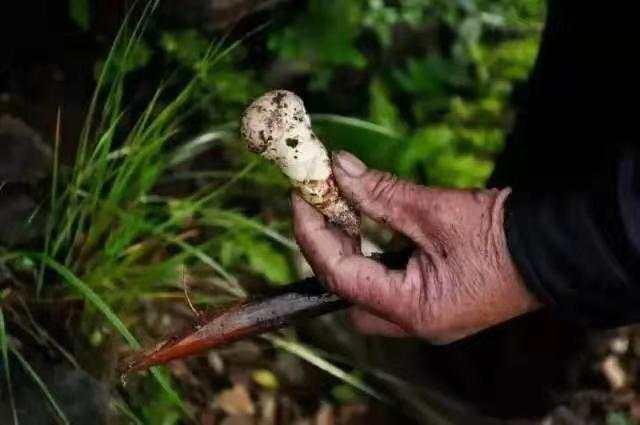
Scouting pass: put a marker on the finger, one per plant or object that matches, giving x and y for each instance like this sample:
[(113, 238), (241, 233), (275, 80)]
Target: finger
[(364, 281), (370, 324), (321, 243), (381, 196), (340, 266)]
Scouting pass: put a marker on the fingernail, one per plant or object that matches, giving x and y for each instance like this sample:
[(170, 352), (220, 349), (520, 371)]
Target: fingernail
[(349, 164)]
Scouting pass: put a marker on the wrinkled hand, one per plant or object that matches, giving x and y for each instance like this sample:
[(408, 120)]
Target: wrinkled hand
[(459, 280)]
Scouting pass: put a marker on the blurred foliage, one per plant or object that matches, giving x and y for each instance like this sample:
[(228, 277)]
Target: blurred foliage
[(320, 39), (381, 17), (620, 418), (223, 89), (440, 75), (454, 93), (79, 13)]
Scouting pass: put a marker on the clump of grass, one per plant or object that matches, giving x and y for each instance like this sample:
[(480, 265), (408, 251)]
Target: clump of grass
[(113, 240), (102, 227)]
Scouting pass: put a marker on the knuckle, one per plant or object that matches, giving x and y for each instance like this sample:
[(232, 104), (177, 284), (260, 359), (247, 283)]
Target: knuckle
[(384, 187), (441, 210), (331, 277)]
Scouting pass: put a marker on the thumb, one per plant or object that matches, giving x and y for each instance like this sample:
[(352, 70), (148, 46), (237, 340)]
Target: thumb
[(379, 195)]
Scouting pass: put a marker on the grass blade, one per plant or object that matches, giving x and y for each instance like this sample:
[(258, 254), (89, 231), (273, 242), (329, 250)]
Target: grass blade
[(54, 200), (375, 145), (124, 409), (4, 344), (89, 295), (196, 146), (306, 353), (115, 321), (230, 218), (43, 387), (232, 284), (44, 335)]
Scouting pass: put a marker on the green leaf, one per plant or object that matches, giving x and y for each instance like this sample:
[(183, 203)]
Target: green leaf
[(513, 59), (322, 36), (266, 379), (43, 387), (426, 145), (619, 418), (382, 110), (374, 144), (383, 16), (435, 156), (268, 261), (345, 394), (306, 353), (321, 39), (115, 321), (79, 13)]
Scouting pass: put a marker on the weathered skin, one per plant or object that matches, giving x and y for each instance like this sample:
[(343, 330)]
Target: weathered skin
[(460, 278), (277, 126)]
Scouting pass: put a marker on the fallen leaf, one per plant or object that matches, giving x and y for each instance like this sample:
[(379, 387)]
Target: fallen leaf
[(266, 379), (235, 401), (238, 420), (613, 372), (325, 415)]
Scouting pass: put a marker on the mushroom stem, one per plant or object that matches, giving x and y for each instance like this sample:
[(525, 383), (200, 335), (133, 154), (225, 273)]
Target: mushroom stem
[(277, 126)]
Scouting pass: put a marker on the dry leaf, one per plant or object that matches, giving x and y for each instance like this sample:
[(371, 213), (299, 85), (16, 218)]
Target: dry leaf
[(268, 408), (325, 415), (613, 372), (236, 401), (238, 420)]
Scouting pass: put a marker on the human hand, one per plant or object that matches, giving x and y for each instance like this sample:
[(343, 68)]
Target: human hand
[(459, 280)]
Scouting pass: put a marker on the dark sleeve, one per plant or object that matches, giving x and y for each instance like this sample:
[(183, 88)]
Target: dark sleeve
[(579, 250)]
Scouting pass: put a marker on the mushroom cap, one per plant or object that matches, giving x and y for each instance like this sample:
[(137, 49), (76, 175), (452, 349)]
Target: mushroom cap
[(276, 126)]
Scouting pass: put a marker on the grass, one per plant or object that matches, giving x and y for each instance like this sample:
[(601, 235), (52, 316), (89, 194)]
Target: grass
[(4, 351), (89, 236), (309, 355), (43, 387), (6, 348), (113, 240)]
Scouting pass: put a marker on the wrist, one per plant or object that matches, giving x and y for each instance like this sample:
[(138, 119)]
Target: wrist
[(520, 298)]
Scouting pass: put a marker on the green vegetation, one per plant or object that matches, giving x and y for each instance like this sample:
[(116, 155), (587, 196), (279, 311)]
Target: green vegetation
[(136, 216)]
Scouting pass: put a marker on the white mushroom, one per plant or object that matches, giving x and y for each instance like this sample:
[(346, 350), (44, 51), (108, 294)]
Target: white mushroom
[(276, 126)]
